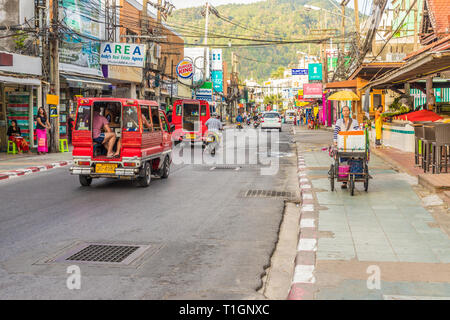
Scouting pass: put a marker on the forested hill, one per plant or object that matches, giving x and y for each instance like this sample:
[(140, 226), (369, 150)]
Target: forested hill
[(270, 19)]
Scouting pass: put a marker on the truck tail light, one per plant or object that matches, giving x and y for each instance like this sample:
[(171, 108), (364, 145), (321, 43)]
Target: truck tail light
[(279, 119), (84, 163), (129, 164)]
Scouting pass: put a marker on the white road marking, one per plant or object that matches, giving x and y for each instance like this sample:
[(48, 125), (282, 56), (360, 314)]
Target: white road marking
[(307, 245), (304, 274), (307, 223)]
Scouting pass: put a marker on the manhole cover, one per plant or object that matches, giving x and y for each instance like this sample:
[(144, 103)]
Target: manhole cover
[(268, 194), (102, 253)]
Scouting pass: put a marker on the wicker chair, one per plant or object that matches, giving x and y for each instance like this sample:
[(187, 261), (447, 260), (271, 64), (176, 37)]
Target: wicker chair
[(441, 145)]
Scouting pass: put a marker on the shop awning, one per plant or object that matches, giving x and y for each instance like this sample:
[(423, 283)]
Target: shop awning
[(428, 64), (348, 84), (22, 81), (76, 81)]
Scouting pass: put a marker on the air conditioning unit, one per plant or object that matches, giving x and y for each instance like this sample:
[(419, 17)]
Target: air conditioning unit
[(395, 57)]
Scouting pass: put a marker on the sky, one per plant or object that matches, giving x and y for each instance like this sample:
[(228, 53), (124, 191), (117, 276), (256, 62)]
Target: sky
[(179, 4)]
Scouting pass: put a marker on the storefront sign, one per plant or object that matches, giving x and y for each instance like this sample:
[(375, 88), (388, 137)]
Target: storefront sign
[(217, 80), (185, 69), (315, 71), (205, 92), (312, 90), (299, 72), (53, 112), (123, 54), (131, 74), (52, 99)]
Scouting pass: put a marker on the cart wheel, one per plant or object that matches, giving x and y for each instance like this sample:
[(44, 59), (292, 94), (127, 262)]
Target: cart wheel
[(366, 181), (352, 185), (331, 177), (85, 181)]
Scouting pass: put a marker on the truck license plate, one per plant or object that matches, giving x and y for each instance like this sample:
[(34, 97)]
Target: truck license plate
[(105, 167), (190, 136)]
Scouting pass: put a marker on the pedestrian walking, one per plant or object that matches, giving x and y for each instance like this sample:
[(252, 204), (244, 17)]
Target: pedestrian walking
[(41, 131), (70, 127), (378, 125)]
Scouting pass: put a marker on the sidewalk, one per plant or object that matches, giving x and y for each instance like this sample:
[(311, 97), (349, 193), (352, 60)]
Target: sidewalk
[(404, 161), (395, 233), (13, 165)]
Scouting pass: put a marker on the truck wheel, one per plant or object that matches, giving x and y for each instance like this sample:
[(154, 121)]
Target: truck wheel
[(144, 181), (85, 181), (165, 170)]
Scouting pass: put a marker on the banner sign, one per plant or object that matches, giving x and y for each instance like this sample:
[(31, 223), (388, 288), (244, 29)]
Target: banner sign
[(217, 80), (185, 69), (315, 71), (299, 72), (312, 90), (205, 92), (123, 54), (216, 59), (78, 53)]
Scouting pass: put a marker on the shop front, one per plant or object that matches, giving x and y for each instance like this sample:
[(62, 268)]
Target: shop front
[(20, 96)]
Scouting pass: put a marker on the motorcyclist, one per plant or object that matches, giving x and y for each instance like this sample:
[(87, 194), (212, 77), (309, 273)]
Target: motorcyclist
[(239, 119), (213, 123)]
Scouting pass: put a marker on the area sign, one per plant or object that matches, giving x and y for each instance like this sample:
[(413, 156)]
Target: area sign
[(122, 54)]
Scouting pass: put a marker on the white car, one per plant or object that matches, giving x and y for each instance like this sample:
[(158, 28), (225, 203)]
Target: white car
[(271, 120), (290, 116)]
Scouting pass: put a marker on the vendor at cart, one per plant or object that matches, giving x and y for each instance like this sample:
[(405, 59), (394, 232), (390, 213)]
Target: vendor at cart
[(346, 123)]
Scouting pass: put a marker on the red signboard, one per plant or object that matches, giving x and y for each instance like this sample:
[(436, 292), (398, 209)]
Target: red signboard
[(312, 90)]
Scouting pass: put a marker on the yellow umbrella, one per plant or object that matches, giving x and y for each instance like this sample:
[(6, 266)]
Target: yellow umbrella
[(345, 95)]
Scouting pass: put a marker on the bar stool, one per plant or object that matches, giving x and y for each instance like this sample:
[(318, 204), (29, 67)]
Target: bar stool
[(63, 145), (429, 152), (441, 146), (14, 150), (418, 145)]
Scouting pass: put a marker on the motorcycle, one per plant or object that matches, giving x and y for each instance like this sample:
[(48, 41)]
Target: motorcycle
[(212, 142), (248, 121), (255, 124), (239, 125)]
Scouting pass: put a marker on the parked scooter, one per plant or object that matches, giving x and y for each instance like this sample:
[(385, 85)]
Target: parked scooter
[(256, 124), (239, 125), (248, 121)]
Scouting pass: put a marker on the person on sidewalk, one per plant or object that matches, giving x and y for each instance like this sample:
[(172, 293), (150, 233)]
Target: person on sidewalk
[(378, 125), (346, 123), (41, 131), (15, 136)]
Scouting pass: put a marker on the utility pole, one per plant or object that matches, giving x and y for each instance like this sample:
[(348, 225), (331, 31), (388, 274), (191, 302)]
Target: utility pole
[(357, 24), (54, 77), (205, 42), (159, 24), (416, 13)]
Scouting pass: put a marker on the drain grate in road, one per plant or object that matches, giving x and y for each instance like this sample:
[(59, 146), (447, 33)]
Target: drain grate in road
[(269, 194), (103, 253)]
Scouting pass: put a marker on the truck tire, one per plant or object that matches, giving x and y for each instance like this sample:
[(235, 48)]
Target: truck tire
[(85, 181), (144, 180), (165, 169)]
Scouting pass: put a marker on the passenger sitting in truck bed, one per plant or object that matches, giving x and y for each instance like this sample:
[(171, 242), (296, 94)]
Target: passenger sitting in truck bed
[(108, 137)]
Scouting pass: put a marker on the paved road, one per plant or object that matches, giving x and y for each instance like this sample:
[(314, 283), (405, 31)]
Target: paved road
[(206, 240), (392, 229)]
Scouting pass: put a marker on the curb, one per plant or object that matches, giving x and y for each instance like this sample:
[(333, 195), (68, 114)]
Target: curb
[(303, 282), (22, 172)]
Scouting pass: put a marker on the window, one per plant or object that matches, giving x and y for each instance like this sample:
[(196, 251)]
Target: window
[(130, 119), (271, 115), (190, 116), (83, 118), (203, 110), (164, 123), (146, 114), (155, 118)]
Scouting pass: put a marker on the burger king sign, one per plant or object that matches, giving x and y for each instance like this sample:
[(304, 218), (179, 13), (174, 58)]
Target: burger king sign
[(185, 69)]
